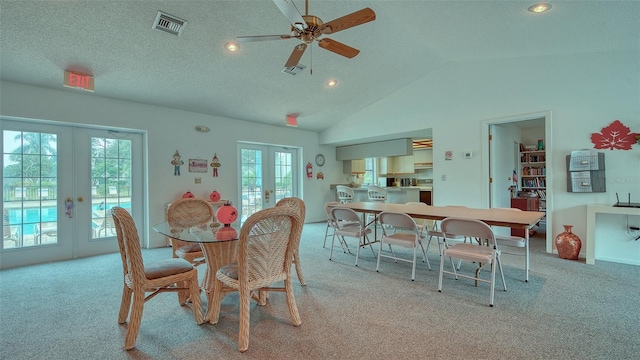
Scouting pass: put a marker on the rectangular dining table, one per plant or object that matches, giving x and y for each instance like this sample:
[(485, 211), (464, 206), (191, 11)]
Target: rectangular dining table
[(493, 217)]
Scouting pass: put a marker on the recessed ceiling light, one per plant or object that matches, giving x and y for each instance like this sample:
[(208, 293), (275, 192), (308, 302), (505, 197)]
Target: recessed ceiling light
[(332, 83), (538, 8), (231, 46)]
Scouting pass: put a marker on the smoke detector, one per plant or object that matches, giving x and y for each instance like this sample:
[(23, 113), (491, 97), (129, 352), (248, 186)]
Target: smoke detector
[(169, 23)]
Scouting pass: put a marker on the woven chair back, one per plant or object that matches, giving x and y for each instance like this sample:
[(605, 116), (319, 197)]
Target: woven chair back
[(189, 212), (129, 244), (267, 241), (295, 203)]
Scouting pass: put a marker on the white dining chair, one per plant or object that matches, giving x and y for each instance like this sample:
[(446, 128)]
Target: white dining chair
[(475, 253), (349, 224), (400, 229), (515, 242)]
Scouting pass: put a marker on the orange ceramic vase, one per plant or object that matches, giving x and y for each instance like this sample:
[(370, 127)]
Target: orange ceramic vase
[(568, 244)]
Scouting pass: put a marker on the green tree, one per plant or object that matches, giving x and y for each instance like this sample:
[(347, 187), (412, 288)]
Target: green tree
[(34, 158)]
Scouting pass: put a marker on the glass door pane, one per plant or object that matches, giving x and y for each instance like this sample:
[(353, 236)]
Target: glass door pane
[(110, 182), (268, 174), (30, 184)]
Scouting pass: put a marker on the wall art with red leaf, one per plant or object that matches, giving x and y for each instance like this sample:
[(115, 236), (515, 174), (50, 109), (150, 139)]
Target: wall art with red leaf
[(616, 136)]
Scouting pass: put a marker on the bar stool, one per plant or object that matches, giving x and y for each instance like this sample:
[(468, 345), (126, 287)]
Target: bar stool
[(345, 194), (375, 194)]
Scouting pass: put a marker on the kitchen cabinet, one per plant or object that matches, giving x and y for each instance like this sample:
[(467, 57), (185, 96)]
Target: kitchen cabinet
[(423, 159), (395, 165), (353, 166), (382, 166)]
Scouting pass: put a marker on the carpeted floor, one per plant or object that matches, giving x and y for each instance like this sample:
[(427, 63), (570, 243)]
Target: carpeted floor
[(568, 310)]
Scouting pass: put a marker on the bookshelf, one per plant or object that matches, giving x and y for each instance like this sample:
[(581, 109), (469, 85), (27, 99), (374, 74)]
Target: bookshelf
[(533, 174)]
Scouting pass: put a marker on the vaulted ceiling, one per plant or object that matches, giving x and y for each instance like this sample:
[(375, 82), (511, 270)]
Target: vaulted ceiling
[(114, 41)]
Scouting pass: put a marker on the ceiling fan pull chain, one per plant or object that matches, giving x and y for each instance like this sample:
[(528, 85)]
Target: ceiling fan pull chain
[(311, 61)]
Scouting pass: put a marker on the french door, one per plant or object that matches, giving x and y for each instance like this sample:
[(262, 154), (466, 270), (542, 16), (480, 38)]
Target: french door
[(58, 184), (268, 173)]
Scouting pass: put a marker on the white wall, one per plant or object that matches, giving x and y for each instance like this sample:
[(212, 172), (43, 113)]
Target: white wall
[(170, 129), (584, 92)]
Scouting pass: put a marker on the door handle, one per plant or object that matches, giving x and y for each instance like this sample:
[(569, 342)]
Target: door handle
[(69, 207)]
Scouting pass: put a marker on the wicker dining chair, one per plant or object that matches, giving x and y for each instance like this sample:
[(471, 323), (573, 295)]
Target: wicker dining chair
[(298, 205), (170, 275), (186, 213), (268, 239)]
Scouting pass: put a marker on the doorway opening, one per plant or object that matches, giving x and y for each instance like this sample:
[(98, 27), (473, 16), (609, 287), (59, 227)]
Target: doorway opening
[(502, 168)]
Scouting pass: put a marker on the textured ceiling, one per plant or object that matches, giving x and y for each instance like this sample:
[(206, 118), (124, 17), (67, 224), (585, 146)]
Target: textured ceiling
[(114, 42)]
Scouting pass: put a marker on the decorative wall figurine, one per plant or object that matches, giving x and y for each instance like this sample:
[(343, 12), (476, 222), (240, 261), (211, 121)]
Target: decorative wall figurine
[(309, 170), (215, 164), (176, 162), (320, 175), (187, 195), (616, 136)]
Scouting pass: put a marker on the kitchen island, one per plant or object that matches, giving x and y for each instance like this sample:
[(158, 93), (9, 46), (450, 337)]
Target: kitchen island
[(395, 194)]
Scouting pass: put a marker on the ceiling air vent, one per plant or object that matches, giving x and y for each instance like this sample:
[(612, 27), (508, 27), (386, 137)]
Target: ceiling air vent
[(169, 23), (294, 69)]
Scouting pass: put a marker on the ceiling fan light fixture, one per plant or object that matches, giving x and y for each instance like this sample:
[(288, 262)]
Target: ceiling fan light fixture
[(539, 8), (231, 46)]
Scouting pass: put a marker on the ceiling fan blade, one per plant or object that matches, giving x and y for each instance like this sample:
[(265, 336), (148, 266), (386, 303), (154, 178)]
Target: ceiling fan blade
[(289, 9), (338, 48), (296, 54), (262, 38), (354, 19)]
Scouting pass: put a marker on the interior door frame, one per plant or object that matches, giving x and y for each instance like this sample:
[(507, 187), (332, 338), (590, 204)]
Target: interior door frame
[(486, 155)]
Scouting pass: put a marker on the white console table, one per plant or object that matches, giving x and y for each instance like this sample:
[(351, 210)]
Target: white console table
[(592, 212)]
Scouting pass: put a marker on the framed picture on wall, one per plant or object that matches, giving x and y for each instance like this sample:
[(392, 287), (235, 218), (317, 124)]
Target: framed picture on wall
[(198, 165)]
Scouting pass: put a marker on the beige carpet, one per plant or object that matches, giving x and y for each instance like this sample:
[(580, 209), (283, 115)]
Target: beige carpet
[(568, 310)]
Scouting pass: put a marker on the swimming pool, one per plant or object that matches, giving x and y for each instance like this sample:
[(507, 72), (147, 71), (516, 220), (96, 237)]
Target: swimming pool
[(30, 216)]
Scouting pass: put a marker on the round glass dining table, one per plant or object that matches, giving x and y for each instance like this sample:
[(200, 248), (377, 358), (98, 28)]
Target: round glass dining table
[(219, 245)]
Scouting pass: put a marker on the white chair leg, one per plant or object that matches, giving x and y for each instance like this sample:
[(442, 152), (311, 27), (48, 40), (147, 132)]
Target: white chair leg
[(326, 233), (379, 252), (413, 269), (504, 284), (440, 273), (526, 254), (493, 281)]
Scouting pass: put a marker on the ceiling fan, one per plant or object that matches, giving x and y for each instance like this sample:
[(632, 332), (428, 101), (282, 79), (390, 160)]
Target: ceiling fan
[(309, 28)]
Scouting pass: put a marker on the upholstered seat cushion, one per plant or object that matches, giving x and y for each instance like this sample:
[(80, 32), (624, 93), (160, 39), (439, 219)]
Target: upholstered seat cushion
[(166, 268), (481, 254), (230, 270), (189, 248)]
